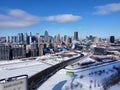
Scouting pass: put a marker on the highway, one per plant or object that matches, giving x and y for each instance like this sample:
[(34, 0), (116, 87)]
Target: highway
[(35, 81)]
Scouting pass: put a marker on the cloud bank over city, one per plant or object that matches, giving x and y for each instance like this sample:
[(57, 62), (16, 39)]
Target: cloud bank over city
[(107, 9), (17, 18)]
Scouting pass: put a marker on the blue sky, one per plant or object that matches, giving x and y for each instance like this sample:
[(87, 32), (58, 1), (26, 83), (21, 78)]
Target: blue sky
[(89, 17)]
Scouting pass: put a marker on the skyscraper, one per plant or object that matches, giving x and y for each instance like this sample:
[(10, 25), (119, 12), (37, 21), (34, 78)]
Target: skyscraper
[(65, 38), (75, 35), (34, 49), (20, 37), (7, 39), (38, 38), (30, 38), (41, 46), (26, 41), (14, 39), (58, 38), (5, 52), (46, 36), (112, 39), (18, 51)]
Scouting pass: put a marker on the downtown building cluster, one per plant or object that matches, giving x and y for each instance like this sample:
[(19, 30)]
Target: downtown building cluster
[(25, 45)]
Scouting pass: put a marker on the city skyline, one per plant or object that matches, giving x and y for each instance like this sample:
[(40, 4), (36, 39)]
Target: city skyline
[(88, 17)]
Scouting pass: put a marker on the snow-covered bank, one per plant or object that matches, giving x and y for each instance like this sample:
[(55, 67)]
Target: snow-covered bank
[(28, 67), (32, 66), (90, 79)]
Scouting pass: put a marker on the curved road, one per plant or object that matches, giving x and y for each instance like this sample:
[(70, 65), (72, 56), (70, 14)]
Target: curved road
[(35, 81)]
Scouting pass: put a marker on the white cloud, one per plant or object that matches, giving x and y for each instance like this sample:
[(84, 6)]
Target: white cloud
[(17, 18), (63, 18), (108, 8)]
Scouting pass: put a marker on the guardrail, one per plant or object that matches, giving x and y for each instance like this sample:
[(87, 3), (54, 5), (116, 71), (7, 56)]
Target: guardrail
[(36, 80)]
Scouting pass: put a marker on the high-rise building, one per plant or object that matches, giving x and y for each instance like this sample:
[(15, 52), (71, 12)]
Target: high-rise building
[(26, 38), (41, 46), (30, 38), (69, 40), (20, 38), (65, 38), (14, 39), (38, 38), (46, 36), (112, 39), (62, 39), (18, 51), (2, 39), (5, 52), (34, 49), (58, 37), (75, 35), (8, 39), (11, 39)]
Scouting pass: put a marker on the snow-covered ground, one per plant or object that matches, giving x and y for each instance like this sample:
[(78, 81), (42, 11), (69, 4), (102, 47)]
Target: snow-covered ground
[(25, 67), (57, 58), (9, 62), (83, 79), (115, 87), (30, 67), (73, 77), (78, 64)]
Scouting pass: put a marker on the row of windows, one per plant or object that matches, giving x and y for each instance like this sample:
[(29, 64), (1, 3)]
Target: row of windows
[(4, 58)]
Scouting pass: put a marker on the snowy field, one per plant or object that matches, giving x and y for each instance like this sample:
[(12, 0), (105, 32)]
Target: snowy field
[(116, 87), (81, 79), (73, 77), (14, 68), (30, 67)]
